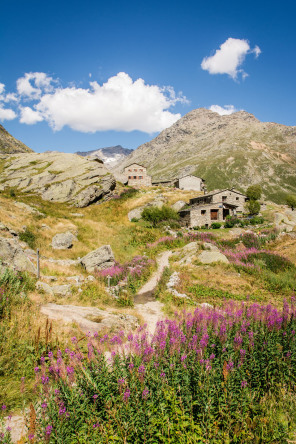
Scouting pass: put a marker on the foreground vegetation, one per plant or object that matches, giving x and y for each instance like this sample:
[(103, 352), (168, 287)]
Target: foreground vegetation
[(209, 376)]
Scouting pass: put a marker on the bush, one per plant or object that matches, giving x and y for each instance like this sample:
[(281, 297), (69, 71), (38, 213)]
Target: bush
[(250, 240), (257, 220), (156, 215), (272, 262), (29, 237), (231, 221), (134, 219), (291, 201), (216, 225)]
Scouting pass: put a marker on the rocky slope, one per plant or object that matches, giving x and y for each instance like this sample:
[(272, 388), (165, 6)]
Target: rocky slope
[(235, 150), (57, 177), (111, 156), (10, 145)]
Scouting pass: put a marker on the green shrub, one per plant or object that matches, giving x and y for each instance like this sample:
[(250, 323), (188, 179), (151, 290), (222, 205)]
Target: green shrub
[(250, 240), (134, 219), (272, 262), (231, 221), (216, 225), (29, 237), (257, 220), (291, 201), (12, 192), (253, 207), (254, 192), (156, 215)]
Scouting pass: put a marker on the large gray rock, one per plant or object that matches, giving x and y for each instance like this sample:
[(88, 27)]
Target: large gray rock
[(99, 259), (58, 177), (90, 319), (179, 205), (63, 241), (136, 213), (12, 255), (208, 257)]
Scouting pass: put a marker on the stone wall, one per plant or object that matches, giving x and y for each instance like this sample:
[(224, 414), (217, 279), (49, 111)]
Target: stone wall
[(191, 183)]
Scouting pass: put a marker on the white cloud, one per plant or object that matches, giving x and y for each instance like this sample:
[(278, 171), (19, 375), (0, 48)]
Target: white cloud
[(7, 114), (229, 58), (120, 104), (223, 111), (33, 84), (2, 88), (29, 116)]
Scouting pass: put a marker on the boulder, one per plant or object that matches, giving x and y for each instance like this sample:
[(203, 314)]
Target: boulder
[(12, 255), (99, 259), (209, 257), (62, 290), (211, 247), (44, 288), (63, 241), (28, 208), (136, 213), (178, 205)]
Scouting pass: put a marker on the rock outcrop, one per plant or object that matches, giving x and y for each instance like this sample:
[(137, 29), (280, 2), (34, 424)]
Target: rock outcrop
[(90, 319), (99, 259), (12, 256), (63, 241), (58, 177)]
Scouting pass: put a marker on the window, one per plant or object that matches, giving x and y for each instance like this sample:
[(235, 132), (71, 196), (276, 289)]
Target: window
[(224, 198), (130, 177), (203, 212), (237, 198), (141, 170), (130, 170), (135, 177), (140, 177), (135, 169)]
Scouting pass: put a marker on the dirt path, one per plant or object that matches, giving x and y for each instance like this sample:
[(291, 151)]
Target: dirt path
[(146, 305)]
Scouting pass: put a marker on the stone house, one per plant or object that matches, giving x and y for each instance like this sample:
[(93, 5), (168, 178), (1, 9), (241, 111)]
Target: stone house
[(137, 176), (213, 207), (229, 195), (191, 182)]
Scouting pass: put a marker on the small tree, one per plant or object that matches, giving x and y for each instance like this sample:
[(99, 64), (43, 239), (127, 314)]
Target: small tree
[(291, 201), (253, 207), (254, 192)]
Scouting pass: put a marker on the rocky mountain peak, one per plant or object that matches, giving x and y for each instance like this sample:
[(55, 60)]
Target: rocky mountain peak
[(10, 145)]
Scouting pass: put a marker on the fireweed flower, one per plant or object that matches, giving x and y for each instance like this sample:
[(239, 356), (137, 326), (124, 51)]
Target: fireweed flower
[(141, 369), (145, 393), (44, 405), (3, 407), (36, 369), (48, 430), (244, 384), (121, 381), (96, 425), (126, 395), (95, 396)]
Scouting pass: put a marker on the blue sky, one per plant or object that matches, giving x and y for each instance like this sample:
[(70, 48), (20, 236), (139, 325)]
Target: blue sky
[(188, 54)]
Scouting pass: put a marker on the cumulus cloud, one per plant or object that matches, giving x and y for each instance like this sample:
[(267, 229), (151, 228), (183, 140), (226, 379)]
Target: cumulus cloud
[(29, 116), (229, 58), (6, 114), (120, 104), (33, 84), (223, 111)]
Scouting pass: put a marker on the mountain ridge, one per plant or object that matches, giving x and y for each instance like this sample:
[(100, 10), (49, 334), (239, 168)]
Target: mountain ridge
[(10, 145), (231, 150)]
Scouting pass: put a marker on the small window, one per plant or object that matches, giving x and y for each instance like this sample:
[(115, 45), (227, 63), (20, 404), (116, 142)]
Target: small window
[(237, 198), (140, 177), (203, 212), (135, 177), (135, 169), (141, 170), (130, 170), (130, 177), (224, 198)]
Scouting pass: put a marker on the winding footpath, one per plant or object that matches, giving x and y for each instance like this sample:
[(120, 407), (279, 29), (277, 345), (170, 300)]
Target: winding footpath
[(145, 304)]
